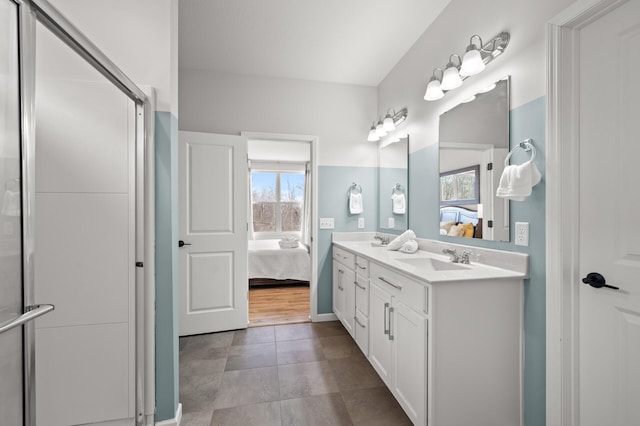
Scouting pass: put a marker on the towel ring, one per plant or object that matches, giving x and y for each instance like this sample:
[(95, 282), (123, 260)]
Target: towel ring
[(397, 189), (527, 146), (354, 189)]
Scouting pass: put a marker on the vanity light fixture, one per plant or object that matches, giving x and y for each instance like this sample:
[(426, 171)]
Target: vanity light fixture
[(451, 77), (373, 136), (389, 123), (434, 90), (474, 61)]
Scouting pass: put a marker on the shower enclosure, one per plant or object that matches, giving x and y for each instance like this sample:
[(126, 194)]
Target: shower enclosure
[(76, 228)]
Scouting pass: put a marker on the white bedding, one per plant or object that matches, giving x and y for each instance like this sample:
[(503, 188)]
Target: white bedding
[(268, 260)]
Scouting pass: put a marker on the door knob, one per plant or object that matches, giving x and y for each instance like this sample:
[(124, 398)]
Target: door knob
[(182, 244), (596, 280)]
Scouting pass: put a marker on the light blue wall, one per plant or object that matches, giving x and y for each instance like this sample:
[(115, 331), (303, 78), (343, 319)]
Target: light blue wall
[(166, 158), (526, 121), (333, 183)]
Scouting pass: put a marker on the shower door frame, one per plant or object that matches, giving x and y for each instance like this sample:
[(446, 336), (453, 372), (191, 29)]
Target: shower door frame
[(31, 12)]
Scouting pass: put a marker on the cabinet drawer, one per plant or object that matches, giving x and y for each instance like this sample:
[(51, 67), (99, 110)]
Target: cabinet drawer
[(362, 294), (361, 328), (347, 258), (362, 266), (408, 291)]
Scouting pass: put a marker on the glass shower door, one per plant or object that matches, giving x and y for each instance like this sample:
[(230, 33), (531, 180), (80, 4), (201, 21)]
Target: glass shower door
[(11, 304)]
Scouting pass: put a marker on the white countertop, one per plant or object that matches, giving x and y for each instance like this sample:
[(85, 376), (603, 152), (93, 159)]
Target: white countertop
[(433, 267)]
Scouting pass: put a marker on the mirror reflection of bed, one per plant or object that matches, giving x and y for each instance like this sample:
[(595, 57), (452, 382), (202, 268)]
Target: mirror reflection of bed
[(279, 251)]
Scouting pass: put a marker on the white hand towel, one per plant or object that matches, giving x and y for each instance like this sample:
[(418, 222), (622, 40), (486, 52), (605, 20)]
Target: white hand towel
[(401, 239), (289, 241), (410, 246), (355, 203), (517, 181), (399, 204)]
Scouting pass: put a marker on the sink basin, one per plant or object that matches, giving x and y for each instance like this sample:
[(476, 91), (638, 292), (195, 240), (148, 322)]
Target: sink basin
[(435, 264)]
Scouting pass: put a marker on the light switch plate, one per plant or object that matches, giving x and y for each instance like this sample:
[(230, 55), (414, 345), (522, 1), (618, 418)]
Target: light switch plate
[(522, 233), (326, 223), (391, 223), (360, 222)]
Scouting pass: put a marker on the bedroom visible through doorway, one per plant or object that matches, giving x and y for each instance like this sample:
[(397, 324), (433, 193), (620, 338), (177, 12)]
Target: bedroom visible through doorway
[(279, 237)]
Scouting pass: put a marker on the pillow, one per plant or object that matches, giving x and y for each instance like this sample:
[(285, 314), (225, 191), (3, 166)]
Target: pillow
[(446, 225), (456, 231), (469, 229)]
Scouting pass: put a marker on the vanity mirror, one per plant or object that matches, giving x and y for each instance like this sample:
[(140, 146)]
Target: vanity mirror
[(393, 184), (474, 141)]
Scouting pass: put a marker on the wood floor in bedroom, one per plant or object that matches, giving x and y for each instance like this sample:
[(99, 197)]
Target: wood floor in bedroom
[(273, 305)]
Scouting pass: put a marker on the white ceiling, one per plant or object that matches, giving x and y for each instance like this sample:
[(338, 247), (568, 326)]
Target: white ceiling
[(341, 41)]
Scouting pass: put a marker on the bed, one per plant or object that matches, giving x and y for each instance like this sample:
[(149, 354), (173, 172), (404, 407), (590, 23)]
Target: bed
[(455, 215), (268, 261)]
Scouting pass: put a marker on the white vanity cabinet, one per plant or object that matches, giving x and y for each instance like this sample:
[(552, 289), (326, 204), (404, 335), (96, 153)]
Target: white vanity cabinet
[(344, 288), (398, 338), (361, 326)]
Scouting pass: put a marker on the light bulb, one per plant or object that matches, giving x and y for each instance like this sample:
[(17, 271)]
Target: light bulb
[(373, 137), (380, 130), (472, 63), (451, 78), (388, 124), (434, 92)]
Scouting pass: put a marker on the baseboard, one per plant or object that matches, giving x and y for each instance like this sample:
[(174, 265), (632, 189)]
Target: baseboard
[(326, 317), (174, 421)]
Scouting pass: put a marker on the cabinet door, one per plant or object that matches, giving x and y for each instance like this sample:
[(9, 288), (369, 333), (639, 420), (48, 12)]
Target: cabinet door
[(338, 291), (349, 291), (379, 343), (409, 334)]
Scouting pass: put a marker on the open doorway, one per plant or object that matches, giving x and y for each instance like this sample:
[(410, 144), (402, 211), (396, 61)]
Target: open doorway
[(279, 237)]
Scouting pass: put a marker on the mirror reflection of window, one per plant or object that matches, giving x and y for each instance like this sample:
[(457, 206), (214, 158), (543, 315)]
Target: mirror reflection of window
[(460, 187)]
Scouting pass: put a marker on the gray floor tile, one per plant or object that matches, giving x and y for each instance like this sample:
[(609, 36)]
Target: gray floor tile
[(318, 410), (354, 373), (198, 392), (254, 335), (210, 340), (375, 407), (265, 414), (328, 328), (294, 331), (196, 418), (312, 378), (251, 356), (339, 347), (243, 387), (297, 351)]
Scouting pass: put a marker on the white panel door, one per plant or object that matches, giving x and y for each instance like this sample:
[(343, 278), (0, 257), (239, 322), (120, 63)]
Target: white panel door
[(213, 228), (609, 205)]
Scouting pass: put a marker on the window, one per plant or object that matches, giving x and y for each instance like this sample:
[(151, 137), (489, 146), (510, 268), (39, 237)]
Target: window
[(277, 201), (459, 187)]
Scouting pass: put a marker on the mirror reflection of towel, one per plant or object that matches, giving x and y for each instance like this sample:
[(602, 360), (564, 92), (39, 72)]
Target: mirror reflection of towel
[(355, 203), (399, 203), (517, 181), (11, 203)]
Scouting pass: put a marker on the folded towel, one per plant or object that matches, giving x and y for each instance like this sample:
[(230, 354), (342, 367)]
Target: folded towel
[(399, 204), (355, 203), (410, 246), (517, 181), (401, 239), (288, 238), (289, 244)]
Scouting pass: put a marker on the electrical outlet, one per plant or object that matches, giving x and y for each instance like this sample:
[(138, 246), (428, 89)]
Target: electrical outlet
[(391, 223), (360, 222), (326, 223), (522, 233)]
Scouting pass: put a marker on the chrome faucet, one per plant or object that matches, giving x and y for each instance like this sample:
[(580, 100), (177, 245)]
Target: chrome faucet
[(458, 258), (383, 240)]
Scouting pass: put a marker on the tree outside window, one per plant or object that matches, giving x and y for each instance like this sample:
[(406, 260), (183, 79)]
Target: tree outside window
[(277, 201)]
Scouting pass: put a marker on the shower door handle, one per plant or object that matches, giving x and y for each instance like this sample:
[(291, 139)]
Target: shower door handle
[(33, 312)]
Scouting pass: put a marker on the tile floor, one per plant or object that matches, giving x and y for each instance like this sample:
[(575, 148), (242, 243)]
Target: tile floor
[(295, 374)]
